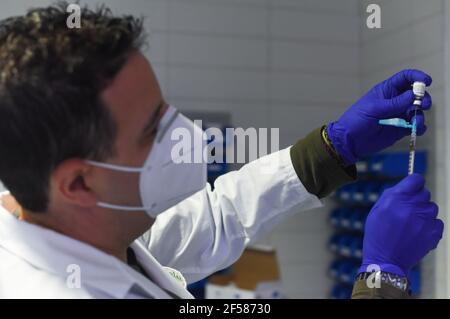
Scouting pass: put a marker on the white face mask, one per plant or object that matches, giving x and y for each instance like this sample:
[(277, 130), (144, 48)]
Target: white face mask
[(163, 181)]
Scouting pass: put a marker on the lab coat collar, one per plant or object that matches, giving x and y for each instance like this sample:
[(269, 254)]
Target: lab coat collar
[(166, 277), (53, 252)]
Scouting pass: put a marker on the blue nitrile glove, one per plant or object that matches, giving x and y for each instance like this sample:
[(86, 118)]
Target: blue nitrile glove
[(401, 228), (357, 133)]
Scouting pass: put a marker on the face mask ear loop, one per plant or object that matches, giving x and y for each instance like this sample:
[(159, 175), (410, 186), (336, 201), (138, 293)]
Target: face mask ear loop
[(114, 167), (123, 208)]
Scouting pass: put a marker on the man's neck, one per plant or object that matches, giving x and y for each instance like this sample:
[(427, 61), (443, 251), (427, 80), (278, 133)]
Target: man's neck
[(88, 234)]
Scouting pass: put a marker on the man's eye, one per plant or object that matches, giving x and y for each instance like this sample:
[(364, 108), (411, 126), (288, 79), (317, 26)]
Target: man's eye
[(152, 132)]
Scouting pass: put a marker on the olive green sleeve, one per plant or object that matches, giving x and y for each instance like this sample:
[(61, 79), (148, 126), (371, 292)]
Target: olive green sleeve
[(317, 169), (361, 291)]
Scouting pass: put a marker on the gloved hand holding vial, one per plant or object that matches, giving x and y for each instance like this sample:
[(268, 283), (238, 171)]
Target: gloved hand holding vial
[(418, 89)]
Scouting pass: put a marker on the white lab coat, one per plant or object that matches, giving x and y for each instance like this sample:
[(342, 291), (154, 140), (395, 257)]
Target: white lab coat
[(203, 234)]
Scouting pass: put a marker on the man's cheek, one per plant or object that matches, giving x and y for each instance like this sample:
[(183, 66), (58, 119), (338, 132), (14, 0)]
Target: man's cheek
[(122, 188)]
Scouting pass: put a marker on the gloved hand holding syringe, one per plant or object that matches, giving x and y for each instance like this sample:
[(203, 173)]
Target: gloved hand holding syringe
[(419, 93)]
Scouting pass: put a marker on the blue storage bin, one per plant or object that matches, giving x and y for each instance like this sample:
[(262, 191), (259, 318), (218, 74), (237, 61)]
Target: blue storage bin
[(344, 245), (356, 245), (333, 271), (357, 195), (341, 291), (375, 164), (333, 244), (345, 218), (362, 166), (354, 219), (347, 272), (344, 193), (359, 219), (353, 274), (396, 164), (414, 277), (372, 192), (335, 217), (385, 186)]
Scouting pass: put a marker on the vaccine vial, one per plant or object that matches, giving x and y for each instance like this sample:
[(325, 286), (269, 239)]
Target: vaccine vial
[(419, 92)]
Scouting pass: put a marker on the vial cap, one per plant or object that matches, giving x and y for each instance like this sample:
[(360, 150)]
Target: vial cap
[(419, 88)]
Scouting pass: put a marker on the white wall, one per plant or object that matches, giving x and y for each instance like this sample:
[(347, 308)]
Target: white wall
[(314, 72), (412, 37)]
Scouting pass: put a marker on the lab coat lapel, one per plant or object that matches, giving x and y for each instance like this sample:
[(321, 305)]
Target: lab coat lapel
[(164, 277)]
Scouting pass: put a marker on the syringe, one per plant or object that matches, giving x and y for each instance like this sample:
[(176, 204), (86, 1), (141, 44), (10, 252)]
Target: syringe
[(419, 92), (412, 146)]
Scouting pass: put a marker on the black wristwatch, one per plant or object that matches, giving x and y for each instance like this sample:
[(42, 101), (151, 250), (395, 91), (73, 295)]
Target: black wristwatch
[(390, 279)]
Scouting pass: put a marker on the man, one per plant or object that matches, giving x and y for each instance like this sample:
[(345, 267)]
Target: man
[(87, 153)]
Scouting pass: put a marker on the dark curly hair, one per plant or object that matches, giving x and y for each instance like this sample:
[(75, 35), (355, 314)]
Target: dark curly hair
[(51, 78)]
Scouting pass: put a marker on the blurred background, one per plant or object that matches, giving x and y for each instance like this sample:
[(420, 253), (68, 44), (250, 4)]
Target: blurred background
[(296, 65)]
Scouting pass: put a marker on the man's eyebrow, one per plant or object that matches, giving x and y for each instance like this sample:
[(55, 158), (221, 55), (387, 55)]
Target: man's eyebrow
[(153, 120)]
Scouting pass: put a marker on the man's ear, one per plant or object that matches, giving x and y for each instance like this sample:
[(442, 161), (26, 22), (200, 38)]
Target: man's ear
[(69, 179)]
